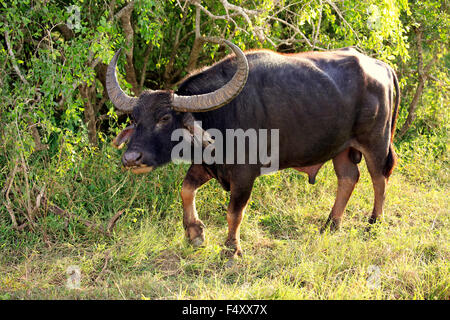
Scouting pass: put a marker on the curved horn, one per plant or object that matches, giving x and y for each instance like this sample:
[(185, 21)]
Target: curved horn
[(220, 97), (120, 99)]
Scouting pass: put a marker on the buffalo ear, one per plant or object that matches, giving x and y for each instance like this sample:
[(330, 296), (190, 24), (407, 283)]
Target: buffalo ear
[(123, 137), (196, 130)]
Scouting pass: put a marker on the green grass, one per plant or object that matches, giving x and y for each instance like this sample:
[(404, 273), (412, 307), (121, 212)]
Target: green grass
[(285, 256)]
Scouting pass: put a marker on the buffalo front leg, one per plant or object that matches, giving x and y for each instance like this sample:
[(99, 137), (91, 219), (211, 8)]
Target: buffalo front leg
[(240, 194), (347, 173), (193, 226)]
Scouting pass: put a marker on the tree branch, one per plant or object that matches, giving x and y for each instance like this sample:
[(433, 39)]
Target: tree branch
[(125, 18), (422, 73), (89, 114), (339, 13), (13, 57)]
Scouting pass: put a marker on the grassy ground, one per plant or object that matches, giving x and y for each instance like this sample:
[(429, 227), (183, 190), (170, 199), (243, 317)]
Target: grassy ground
[(285, 257)]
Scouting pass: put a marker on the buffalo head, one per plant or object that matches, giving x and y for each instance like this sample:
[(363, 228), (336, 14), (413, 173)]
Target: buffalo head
[(156, 114)]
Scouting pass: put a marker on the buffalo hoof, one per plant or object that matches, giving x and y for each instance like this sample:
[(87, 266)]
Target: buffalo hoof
[(195, 233), (230, 253), (232, 250), (332, 225), (197, 242), (371, 230)]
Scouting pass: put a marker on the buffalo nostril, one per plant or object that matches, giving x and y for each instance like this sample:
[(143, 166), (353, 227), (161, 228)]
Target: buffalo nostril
[(132, 158)]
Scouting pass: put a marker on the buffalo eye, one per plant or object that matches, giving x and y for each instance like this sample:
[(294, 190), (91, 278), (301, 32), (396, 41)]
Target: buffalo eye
[(164, 119)]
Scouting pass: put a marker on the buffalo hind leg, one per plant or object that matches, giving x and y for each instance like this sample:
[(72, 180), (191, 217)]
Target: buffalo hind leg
[(347, 173), (240, 194), (380, 168), (379, 182), (193, 226)]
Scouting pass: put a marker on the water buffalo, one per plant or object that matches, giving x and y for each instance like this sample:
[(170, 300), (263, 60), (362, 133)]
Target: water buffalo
[(335, 105)]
